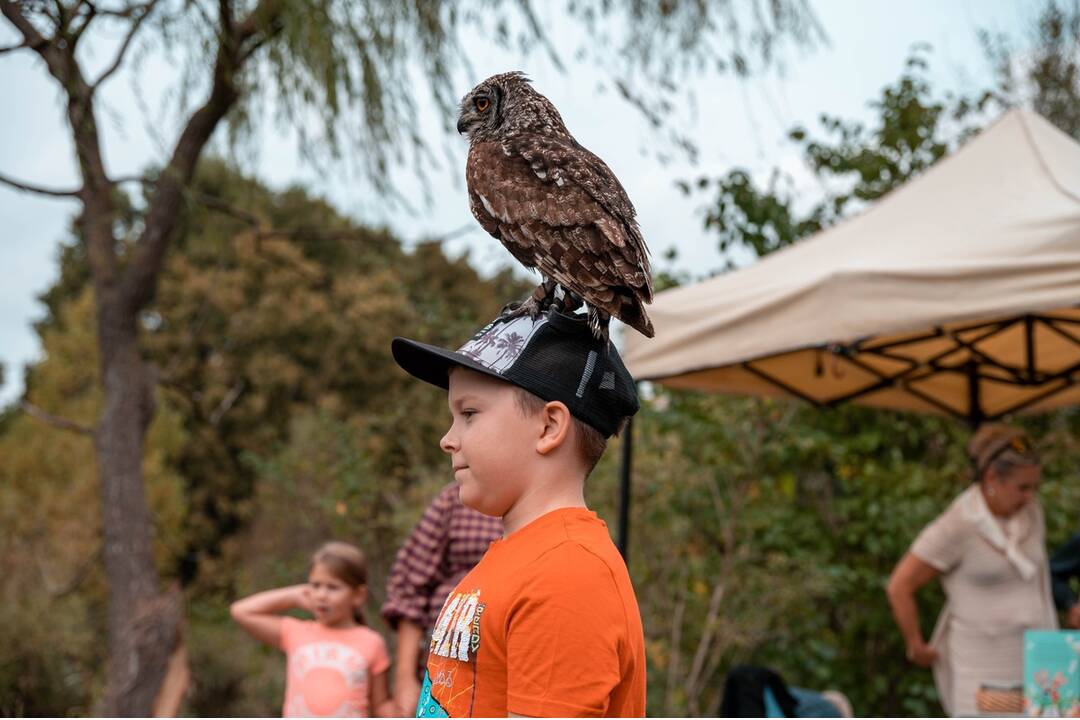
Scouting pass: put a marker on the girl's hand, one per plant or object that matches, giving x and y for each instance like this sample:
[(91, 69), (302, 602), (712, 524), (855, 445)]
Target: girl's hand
[(260, 614), (303, 598), (922, 654)]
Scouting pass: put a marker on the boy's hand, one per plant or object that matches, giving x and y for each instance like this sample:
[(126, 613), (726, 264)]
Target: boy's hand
[(1072, 617)]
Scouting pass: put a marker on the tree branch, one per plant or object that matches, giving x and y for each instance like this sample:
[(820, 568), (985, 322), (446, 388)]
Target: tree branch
[(313, 234), (56, 421), (252, 48), (225, 18), (27, 187), (12, 48), (12, 10), (227, 402), (58, 52), (81, 573), (141, 179), (140, 279), (76, 34), (694, 678), (223, 207), (147, 9)]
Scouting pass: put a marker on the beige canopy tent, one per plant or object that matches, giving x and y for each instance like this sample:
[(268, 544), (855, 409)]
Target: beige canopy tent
[(958, 294)]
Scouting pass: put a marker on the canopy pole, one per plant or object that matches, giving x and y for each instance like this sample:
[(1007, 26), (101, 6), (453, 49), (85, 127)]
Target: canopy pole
[(975, 411), (624, 489)]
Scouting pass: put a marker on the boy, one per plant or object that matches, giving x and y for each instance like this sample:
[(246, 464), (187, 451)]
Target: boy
[(547, 622), (442, 548)]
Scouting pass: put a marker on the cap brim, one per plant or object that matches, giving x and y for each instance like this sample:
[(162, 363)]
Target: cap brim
[(430, 363)]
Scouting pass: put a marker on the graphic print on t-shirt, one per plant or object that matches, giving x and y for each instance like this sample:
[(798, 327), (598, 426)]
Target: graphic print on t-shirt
[(428, 707), (326, 675), (451, 678)]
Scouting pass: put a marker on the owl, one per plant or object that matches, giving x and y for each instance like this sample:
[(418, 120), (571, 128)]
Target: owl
[(554, 205)]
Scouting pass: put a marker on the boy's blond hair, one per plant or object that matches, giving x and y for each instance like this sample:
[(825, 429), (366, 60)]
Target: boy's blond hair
[(591, 444)]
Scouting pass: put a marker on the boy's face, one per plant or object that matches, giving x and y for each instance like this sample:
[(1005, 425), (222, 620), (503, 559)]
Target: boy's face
[(489, 442)]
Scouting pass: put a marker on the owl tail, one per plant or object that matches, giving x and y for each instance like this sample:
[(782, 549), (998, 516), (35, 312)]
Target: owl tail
[(632, 312)]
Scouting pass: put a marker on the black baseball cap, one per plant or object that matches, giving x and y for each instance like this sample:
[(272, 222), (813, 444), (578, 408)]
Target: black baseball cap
[(554, 357)]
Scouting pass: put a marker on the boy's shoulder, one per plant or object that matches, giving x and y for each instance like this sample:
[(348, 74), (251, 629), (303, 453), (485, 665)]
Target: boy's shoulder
[(572, 554)]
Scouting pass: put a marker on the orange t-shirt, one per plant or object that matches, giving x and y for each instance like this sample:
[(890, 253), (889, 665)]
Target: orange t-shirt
[(546, 624), (329, 670)]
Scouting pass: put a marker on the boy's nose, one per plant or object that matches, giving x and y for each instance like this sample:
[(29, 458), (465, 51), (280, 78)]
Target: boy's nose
[(448, 444)]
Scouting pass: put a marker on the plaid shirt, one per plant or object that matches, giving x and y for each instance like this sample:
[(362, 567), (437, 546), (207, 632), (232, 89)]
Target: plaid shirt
[(447, 542)]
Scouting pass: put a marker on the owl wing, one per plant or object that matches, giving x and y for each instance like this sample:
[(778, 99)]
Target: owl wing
[(486, 220), (562, 160), (549, 221)]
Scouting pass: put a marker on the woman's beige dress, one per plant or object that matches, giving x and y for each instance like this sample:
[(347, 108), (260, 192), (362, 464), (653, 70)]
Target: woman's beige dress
[(997, 585)]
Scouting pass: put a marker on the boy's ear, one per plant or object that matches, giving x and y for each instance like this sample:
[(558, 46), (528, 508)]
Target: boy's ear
[(557, 420)]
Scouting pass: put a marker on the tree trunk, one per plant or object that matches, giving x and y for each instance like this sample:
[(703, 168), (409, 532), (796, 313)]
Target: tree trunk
[(143, 623)]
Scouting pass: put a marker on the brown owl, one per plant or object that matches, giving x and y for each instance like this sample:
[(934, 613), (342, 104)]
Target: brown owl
[(553, 204)]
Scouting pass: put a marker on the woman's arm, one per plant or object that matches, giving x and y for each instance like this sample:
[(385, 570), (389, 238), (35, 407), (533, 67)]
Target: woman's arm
[(258, 614), (910, 574), (379, 697)]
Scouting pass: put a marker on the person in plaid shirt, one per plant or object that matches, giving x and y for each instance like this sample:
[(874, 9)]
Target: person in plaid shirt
[(446, 543)]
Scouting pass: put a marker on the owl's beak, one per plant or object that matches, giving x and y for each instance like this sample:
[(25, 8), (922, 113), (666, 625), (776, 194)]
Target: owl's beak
[(462, 124)]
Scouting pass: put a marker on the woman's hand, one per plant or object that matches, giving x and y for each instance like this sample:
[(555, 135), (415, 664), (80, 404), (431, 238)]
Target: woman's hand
[(911, 573), (1072, 617), (922, 654)]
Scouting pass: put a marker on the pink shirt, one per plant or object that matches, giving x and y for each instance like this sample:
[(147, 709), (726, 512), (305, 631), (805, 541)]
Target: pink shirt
[(329, 670)]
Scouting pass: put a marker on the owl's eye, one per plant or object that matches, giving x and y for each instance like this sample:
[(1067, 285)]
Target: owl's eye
[(482, 104)]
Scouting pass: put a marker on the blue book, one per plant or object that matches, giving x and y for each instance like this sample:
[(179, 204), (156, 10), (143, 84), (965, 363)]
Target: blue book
[(1052, 673)]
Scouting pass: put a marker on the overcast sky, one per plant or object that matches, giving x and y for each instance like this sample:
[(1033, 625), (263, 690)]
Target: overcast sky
[(737, 124)]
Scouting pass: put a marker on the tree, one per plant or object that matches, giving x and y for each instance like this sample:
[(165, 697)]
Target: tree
[(333, 59), (1048, 79), (827, 500), (282, 420)]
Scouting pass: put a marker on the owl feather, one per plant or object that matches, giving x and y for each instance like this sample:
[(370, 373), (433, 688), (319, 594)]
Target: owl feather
[(554, 205)]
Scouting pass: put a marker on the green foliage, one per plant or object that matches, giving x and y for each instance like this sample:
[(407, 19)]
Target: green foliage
[(793, 516), (1048, 78), (762, 531), (282, 421), (351, 77), (854, 163), (793, 519), (53, 595)]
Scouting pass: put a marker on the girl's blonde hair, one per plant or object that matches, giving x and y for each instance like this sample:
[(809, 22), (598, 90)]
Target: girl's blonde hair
[(345, 562)]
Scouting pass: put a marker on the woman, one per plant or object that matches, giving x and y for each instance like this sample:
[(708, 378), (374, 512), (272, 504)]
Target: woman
[(989, 549)]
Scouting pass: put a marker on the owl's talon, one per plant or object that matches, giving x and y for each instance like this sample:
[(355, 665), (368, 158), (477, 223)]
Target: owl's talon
[(510, 308), (516, 309)]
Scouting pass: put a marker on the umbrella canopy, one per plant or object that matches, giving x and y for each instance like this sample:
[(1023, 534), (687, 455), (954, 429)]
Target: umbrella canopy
[(958, 294)]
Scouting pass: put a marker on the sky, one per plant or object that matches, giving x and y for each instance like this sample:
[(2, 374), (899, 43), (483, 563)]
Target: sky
[(735, 123)]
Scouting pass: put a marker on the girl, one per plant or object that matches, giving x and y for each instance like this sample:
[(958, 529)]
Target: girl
[(336, 665)]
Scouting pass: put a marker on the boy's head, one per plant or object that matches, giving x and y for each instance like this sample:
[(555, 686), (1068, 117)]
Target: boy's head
[(528, 398)]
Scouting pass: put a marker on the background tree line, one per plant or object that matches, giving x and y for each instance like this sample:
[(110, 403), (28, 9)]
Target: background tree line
[(763, 530), (346, 76)]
